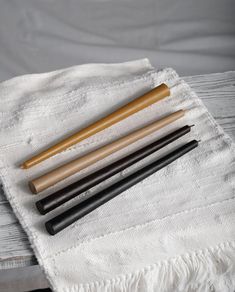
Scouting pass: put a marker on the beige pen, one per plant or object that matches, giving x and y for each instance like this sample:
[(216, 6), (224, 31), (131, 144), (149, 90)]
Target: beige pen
[(45, 181)]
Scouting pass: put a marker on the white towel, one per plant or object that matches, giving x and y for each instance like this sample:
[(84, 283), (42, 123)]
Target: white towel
[(174, 231)]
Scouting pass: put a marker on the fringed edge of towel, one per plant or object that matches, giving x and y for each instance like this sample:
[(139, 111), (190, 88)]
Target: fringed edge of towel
[(207, 270)]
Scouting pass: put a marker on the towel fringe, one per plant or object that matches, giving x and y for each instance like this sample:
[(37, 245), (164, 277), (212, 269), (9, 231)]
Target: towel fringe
[(208, 270)]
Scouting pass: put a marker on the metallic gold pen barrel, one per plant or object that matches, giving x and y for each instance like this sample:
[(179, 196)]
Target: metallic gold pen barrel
[(132, 107)]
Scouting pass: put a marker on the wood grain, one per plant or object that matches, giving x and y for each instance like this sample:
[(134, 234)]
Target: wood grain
[(218, 94)]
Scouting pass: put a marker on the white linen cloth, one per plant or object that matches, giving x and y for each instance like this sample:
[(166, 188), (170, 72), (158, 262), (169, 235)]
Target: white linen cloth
[(172, 232)]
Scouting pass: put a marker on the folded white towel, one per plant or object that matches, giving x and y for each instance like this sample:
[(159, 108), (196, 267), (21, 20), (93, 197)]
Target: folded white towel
[(174, 231)]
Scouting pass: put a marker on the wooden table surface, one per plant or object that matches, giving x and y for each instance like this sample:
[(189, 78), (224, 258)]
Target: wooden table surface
[(217, 92)]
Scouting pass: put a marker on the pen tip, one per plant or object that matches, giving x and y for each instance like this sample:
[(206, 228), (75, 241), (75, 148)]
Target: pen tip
[(191, 126), (22, 166)]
